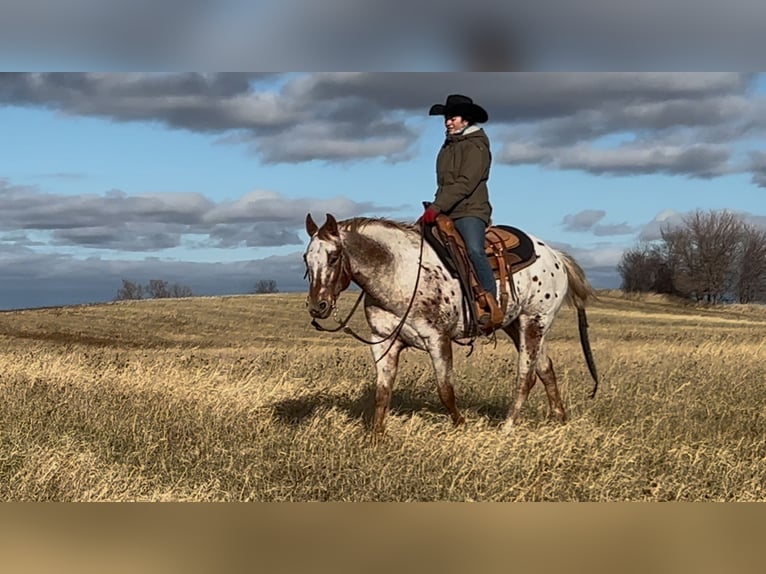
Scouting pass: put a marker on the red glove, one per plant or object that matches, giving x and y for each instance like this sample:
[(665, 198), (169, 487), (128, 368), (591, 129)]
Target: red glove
[(429, 215)]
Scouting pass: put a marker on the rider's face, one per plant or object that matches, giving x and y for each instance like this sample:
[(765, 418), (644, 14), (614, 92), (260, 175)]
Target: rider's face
[(455, 124)]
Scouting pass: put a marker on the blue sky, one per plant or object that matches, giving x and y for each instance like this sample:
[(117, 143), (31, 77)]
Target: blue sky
[(206, 179)]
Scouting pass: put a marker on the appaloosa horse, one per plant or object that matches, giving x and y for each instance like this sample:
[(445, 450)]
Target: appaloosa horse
[(411, 300)]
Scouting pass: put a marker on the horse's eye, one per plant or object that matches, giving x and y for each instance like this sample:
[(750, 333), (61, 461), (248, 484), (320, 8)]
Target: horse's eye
[(332, 259)]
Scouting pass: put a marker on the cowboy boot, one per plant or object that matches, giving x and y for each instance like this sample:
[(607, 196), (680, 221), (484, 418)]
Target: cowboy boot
[(490, 316)]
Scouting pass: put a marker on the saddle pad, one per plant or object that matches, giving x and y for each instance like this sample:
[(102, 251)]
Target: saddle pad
[(522, 254)]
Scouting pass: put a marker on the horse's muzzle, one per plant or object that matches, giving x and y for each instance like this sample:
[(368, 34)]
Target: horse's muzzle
[(320, 309)]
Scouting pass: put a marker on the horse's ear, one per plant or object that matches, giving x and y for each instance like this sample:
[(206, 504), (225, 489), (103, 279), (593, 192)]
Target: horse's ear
[(311, 227), (330, 225)]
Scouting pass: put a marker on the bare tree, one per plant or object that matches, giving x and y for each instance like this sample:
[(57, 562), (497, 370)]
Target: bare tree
[(703, 253), (129, 291), (266, 286), (647, 268), (638, 266), (178, 290), (158, 289), (750, 283), (681, 259), (712, 256)]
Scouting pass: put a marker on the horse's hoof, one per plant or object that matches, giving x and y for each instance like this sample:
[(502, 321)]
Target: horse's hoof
[(508, 427)]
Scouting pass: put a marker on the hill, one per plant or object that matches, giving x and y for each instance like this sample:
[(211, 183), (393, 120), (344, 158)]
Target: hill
[(239, 398)]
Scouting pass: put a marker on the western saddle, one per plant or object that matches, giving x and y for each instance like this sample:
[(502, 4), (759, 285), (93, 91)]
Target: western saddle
[(508, 250)]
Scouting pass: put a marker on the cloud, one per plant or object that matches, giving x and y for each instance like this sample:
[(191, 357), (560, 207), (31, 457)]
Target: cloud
[(601, 123), (613, 229), (584, 220), (618, 124), (39, 231), (519, 97), (599, 262), (41, 279), (702, 161), (665, 219), (606, 124), (153, 222), (288, 126), (758, 168)]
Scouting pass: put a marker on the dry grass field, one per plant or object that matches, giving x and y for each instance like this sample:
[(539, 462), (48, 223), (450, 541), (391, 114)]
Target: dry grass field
[(238, 398)]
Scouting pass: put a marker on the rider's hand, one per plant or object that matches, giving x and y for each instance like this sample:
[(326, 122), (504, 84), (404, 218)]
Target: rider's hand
[(429, 215)]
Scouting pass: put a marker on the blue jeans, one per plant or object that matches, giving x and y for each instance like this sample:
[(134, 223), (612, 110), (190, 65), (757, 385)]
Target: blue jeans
[(472, 230)]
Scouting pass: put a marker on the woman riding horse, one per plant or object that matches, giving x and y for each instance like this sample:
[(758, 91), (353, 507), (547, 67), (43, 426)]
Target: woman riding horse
[(462, 172)]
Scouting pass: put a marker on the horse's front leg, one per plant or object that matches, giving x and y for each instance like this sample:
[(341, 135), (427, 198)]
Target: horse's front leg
[(441, 357), (386, 356)]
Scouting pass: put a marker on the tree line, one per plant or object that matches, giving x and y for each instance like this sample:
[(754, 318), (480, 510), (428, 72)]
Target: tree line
[(711, 256), (161, 289), (154, 289)]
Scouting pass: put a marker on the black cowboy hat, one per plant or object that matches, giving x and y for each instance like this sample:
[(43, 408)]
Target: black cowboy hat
[(459, 105)]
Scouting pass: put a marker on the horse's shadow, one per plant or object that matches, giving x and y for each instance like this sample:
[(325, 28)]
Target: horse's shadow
[(404, 402)]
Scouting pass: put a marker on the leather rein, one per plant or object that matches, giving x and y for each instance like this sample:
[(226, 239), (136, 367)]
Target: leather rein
[(343, 325)]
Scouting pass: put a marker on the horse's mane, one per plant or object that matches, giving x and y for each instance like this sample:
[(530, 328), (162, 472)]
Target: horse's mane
[(355, 224)]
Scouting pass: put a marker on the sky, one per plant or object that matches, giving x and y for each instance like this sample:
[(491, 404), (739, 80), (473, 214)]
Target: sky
[(205, 179)]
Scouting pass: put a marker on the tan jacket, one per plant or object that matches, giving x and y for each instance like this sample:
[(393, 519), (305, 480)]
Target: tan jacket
[(462, 172)]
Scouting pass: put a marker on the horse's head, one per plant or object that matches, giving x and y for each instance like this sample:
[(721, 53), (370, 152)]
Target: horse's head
[(327, 266)]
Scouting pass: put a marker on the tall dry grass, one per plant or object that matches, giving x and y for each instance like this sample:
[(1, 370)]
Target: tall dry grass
[(238, 398)]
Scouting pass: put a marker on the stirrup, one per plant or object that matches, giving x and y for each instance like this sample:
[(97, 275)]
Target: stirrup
[(489, 315)]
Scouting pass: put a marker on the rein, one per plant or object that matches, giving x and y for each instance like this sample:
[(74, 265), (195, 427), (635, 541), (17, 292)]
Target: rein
[(342, 325)]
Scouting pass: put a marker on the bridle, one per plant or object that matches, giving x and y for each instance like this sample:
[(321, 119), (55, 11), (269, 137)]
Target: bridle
[(343, 325), (345, 281)]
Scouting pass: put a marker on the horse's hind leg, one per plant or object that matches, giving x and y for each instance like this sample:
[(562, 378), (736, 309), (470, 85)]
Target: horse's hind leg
[(544, 370), (386, 365), (530, 338), (441, 357), (548, 377)]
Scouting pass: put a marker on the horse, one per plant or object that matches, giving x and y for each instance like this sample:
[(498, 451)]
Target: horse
[(411, 300)]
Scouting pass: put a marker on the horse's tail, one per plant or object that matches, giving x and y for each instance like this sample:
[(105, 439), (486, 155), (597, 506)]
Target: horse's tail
[(578, 294)]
